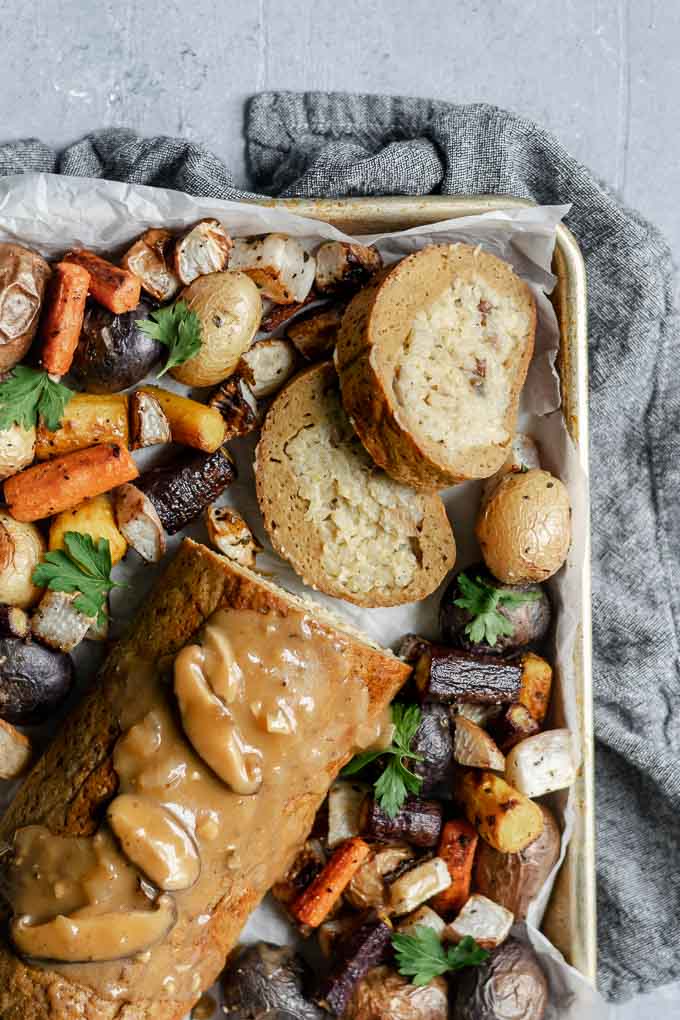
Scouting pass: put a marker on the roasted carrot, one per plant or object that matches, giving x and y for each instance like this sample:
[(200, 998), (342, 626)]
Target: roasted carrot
[(62, 483), (191, 423), (457, 848), (115, 288), (316, 902), (63, 316)]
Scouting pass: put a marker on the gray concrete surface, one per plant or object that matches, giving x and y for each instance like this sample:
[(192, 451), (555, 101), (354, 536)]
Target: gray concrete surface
[(604, 75)]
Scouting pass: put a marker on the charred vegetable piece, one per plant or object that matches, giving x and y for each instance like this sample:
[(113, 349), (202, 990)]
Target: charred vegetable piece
[(447, 675), (419, 884), (87, 420), (229, 533), (515, 724), (418, 821), (13, 622), (113, 352), (314, 334), (368, 889), (148, 423), (331, 933), (237, 404), (181, 491), (23, 276), (147, 259), (276, 315), (536, 685), (15, 751), (344, 267), (316, 902), (481, 614), (365, 948), (203, 249), (266, 981), (503, 816), (308, 864), (62, 319), (33, 681), (411, 647), (433, 741), (474, 747), (457, 848), (113, 287), (385, 995), (267, 365), (510, 986), (488, 923)]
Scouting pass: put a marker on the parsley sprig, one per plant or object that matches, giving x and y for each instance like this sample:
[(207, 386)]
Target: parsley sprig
[(396, 781), (422, 956), (483, 602), (81, 567), (27, 394), (178, 329)]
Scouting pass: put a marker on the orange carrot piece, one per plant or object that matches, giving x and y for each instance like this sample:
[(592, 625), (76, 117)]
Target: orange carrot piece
[(63, 318), (457, 845), (62, 483), (115, 288), (314, 904)]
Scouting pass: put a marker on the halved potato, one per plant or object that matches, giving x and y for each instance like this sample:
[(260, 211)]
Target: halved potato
[(474, 747)]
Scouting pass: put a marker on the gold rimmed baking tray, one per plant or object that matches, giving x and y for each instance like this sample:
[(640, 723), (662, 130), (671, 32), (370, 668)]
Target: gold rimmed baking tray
[(570, 921)]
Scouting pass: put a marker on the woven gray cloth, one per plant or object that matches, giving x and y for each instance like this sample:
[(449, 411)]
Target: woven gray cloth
[(332, 145)]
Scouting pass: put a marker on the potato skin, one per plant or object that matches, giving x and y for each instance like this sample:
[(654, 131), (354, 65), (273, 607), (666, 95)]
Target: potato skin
[(230, 309), (524, 529), (511, 985), (513, 880), (385, 995), (23, 276)]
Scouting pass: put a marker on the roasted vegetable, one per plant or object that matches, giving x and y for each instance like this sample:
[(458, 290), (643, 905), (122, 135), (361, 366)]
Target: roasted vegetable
[(268, 365), (342, 267), (448, 675), (308, 863), (147, 259), (345, 800), (17, 445), (423, 917), (515, 724), (488, 923), (316, 902), (148, 423), (514, 880), (523, 456), (534, 692), (418, 885), (139, 522), (278, 264), (33, 681), (524, 529), (385, 995), (63, 483), (229, 309), (368, 888), (503, 816), (113, 352), (509, 986), (276, 315), (180, 491), (15, 751), (94, 517), (314, 333), (114, 288), (433, 741), (86, 420), (411, 646), (265, 982), (229, 533), (21, 548), (331, 933), (481, 715), (203, 249), (13, 622), (365, 948), (543, 763), (236, 404), (417, 821), (23, 275), (57, 623), (456, 848), (62, 319), (480, 614), (474, 747), (191, 424)]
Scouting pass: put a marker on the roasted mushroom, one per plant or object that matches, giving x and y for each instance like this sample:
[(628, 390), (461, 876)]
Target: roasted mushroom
[(23, 276), (113, 352), (203, 249), (34, 681), (229, 533), (268, 365), (278, 264), (267, 981), (180, 491), (17, 446), (385, 995), (147, 259), (510, 986), (344, 267), (139, 522), (21, 549)]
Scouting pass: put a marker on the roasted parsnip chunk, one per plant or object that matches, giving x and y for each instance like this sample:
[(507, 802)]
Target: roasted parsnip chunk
[(57, 623), (149, 425), (488, 923), (139, 522), (344, 810), (268, 365), (418, 885), (474, 747), (278, 264), (341, 266), (423, 917), (147, 260), (203, 249), (542, 763), (229, 533)]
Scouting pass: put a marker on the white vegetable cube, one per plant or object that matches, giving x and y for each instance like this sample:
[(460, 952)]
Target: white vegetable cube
[(57, 623), (488, 923), (423, 917), (278, 264), (344, 806), (542, 763), (419, 885)]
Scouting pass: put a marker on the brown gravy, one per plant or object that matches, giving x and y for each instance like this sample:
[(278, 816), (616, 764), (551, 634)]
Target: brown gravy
[(262, 714)]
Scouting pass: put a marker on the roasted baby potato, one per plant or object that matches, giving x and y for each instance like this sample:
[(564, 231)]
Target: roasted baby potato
[(385, 995), (23, 276), (34, 681), (510, 986), (21, 549), (113, 353), (17, 446)]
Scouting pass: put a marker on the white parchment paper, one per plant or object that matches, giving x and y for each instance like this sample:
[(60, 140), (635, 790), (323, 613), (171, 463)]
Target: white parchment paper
[(52, 214)]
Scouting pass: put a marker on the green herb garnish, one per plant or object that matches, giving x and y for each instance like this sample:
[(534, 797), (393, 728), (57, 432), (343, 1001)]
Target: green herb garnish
[(396, 781), (483, 601), (81, 567), (422, 957), (27, 394), (178, 328)]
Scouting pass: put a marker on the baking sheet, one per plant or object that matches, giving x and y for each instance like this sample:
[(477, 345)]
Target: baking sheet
[(55, 213)]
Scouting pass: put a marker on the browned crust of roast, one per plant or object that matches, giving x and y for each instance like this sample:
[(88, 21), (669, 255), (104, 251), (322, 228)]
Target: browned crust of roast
[(70, 784), (373, 329), (283, 509)]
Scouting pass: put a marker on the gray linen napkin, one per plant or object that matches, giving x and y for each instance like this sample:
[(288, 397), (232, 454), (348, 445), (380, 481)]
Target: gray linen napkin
[(319, 144)]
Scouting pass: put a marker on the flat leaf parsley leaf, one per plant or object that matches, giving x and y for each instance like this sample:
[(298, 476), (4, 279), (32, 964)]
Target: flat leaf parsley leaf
[(27, 394), (483, 602), (422, 956), (81, 567), (178, 329), (396, 781)]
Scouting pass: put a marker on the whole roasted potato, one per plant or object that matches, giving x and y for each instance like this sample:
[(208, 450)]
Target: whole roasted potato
[(23, 275), (524, 529), (229, 307), (113, 353), (267, 981), (17, 446), (34, 680), (21, 549), (524, 611), (513, 880), (509, 986), (385, 995)]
